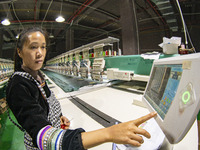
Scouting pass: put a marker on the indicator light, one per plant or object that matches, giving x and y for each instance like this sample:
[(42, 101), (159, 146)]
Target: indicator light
[(186, 97)]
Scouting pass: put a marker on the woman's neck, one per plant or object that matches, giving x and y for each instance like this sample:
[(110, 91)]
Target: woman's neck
[(34, 73)]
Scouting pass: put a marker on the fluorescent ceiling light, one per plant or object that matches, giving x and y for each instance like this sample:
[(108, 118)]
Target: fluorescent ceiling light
[(5, 22), (51, 36), (60, 19)]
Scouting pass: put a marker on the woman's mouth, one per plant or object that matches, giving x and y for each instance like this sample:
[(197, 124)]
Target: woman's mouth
[(39, 61)]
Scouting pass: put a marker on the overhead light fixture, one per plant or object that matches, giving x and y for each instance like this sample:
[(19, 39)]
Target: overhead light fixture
[(60, 18), (51, 36), (5, 22)]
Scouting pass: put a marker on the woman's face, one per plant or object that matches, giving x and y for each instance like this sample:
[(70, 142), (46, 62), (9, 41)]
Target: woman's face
[(34, 51)]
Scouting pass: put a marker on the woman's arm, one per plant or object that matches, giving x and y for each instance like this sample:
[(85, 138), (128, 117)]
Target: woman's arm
[(123, 133)]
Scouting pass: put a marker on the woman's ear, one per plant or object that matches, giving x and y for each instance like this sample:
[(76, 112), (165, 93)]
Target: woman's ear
[(19, 52)]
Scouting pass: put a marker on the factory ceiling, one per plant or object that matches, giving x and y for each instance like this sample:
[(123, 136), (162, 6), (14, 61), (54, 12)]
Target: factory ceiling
[(91, 20)]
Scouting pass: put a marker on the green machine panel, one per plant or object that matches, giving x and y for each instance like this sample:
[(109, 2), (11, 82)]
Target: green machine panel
[(134, 63)]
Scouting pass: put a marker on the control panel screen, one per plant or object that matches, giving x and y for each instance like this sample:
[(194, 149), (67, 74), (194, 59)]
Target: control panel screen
[(162, 87)]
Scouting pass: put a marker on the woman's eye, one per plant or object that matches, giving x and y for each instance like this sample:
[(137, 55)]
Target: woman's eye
[(43, 47), (34, 47)]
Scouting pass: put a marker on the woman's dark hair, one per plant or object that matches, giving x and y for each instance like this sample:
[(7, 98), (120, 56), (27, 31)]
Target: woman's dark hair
[(23, 37)]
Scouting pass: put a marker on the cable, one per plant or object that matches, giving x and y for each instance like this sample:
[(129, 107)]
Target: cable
[(61, 7), (190, 40), (35, 10), (186, 33), (136, 26), (16, 15), (46, 12), (8, 11), (183, 22)]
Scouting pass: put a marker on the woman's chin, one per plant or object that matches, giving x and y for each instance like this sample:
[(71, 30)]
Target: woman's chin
[(37, 68)]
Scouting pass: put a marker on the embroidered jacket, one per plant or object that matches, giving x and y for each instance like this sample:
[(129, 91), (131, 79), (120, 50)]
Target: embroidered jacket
[(38, 112)]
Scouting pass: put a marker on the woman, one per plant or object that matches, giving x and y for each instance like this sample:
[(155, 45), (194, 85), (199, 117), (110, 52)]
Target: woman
[(39, 113)]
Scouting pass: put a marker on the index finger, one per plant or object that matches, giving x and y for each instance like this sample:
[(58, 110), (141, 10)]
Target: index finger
[(144, 118)]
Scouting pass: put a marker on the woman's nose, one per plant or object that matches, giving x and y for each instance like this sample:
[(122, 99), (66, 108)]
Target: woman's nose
[(39, 52)]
